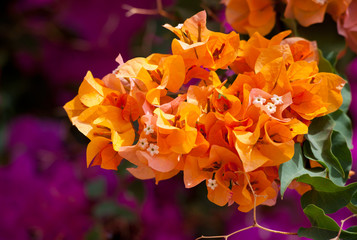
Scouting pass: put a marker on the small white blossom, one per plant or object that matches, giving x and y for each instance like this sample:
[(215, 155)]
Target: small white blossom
[(270, 107), (148, 129), (143, 143), (153, 149), (212, 183), (179, 26), (259, 100), (277, 100)]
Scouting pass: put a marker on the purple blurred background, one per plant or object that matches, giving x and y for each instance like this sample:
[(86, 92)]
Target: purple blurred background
[(46, 191)]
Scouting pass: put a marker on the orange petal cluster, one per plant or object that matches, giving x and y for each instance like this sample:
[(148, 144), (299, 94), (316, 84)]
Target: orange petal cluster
[(175, 112), (308, 12), (250, 16)]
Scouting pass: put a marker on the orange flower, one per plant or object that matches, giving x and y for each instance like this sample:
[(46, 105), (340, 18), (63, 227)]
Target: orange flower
[(317, 94), (308, 12), (104, 115), (100, 152), (302, 49), (250, 16), (168, 76), (147, 165), (222, 103), (232, 135), (150, 154), (261, 185), (178, 133), (201, 47), (193, 174), (300, 187), (221, 161), (250, 51)]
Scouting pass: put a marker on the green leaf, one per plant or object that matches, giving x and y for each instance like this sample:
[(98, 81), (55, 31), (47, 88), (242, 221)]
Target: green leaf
[(110, 208), (332, 58), (325, 34), (347, 97), (324, 64), (343, 125), (294, 168), (291, 24), (95, 188), (319, 136), (137, 189), (352, 229), (322, 227), (325, 194), (352, 206), (341, 151), (354, 199), (93, 233)]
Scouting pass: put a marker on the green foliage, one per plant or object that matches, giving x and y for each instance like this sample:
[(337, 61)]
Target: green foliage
[(324, 64), (347, 98), (321, 146), (96, 188), (113, 209), (343, 125), (329, 142), (323, 227), (93, 234), (295, 168), (137, 189), (325, 194), (291, 24)]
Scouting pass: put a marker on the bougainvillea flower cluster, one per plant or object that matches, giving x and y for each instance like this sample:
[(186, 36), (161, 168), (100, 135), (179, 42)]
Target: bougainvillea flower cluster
[(186, 112), (250, 16)]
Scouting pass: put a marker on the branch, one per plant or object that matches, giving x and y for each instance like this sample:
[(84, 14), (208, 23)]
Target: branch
[(158, 11), (343, 222), (226, 236), (255, 222), (213, 15)]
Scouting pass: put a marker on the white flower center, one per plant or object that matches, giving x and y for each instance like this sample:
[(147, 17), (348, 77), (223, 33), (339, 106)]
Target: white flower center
[(270, 107), (148, 129), (277, 100), (259, 100), (212, 183), (143, 143), (153, 149)]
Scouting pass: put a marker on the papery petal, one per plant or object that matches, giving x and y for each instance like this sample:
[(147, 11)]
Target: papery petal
[(161, 162), (174, 73), (91, 91), (220, 195), (193, 175)]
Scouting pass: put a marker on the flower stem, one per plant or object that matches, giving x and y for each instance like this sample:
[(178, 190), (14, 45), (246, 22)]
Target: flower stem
[(255, 222), (343, 222), (158, 11)]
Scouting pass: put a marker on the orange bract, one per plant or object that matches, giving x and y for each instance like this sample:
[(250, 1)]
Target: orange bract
[(308, 12), (250, 16), (172, 112)]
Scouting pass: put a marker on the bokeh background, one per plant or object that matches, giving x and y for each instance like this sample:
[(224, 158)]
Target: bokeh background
[(46, 191)]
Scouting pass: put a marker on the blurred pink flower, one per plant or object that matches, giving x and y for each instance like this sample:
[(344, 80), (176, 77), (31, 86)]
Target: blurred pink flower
[(347, 26), (42, 196)]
